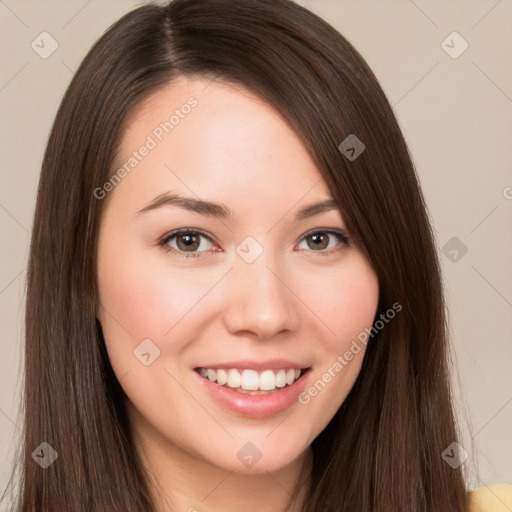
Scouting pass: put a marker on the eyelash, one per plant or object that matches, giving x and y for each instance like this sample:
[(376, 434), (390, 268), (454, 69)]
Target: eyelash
[(341, 236)]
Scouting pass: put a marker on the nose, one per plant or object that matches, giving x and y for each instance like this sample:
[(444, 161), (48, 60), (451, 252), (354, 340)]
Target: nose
[(260, 299)]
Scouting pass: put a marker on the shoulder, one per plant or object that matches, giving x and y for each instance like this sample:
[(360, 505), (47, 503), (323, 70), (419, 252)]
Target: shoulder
[(493, 498)]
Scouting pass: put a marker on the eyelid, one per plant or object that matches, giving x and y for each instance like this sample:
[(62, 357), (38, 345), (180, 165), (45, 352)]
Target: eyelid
[(333, 231)]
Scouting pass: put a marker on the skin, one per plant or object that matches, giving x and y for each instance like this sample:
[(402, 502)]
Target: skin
[(292, 302)]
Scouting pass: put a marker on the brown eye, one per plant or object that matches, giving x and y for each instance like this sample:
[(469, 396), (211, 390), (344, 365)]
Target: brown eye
[(320, 241), (186, 241)]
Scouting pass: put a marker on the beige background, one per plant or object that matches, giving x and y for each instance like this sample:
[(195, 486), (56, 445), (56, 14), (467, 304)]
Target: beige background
[(456, 115)]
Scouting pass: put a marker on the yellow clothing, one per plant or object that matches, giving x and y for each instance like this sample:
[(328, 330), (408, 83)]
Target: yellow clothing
[(494, 498)]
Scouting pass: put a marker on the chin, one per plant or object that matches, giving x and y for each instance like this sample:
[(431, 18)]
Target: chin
[(254, 457)]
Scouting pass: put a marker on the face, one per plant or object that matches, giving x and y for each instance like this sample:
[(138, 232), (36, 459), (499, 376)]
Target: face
[(250, 292)]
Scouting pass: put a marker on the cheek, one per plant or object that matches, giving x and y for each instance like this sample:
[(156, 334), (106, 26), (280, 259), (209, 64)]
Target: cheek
[(345, 302), (356, 305), (143, 296), (346, 307), (139, 299), (136, 294), (129, 292)]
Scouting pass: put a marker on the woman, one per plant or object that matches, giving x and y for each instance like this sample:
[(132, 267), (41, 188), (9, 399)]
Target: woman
[(234, 299)]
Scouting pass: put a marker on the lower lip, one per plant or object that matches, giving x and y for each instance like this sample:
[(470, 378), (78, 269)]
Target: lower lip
[(255, 406)]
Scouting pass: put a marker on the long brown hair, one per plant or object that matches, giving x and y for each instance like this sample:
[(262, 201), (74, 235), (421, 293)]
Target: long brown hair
[(382, 451)]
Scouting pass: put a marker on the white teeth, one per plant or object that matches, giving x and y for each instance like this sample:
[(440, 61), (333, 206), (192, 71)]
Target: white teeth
[(281, 379), (267, 380), (222, 377), (251, 380), (234, 379)]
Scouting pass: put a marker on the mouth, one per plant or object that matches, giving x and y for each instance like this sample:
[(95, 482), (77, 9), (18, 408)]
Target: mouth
[(251, 393), (253, 382)]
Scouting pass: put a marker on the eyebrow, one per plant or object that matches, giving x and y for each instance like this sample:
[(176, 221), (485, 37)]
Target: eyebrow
[(221, 211)]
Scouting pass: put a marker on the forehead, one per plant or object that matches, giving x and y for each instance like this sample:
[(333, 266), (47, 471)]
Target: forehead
[(213, 115), (208, 138)]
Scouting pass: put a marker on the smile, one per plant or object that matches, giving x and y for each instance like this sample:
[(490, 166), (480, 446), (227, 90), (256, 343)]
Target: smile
[(252, 381), (252, 393)]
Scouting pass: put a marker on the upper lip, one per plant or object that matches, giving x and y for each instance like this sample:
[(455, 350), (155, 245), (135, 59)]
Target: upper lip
[(250, 364)]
